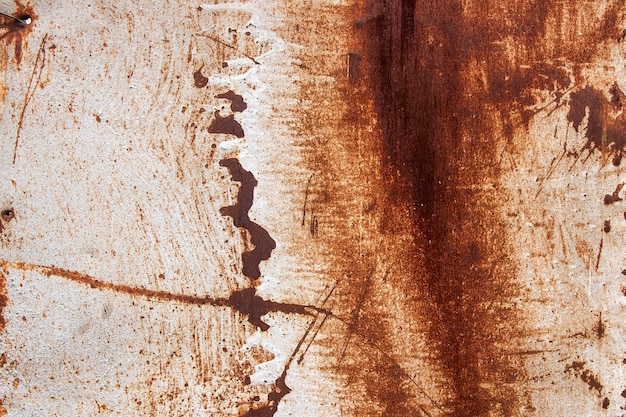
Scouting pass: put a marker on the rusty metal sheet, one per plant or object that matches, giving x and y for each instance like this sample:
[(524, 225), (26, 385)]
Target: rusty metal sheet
[(312, 208)]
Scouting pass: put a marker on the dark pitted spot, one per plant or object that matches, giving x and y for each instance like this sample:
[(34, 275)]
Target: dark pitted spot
[(226, 125), (236, 101), (605, 403), (607, 226), (354, 67), (7, 215)]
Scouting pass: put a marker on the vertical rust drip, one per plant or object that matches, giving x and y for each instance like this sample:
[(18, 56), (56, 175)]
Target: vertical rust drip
[(453, 82)]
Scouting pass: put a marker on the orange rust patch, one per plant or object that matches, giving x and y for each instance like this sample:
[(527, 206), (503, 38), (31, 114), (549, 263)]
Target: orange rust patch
[(16, 31)]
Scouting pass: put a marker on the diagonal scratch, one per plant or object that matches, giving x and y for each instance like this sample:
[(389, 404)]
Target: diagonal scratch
[(221, 42), (41, 54), (355, 318)]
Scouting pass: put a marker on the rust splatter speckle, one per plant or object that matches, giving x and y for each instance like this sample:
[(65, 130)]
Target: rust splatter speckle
[(200, 80), (227, 125), (578, 368)]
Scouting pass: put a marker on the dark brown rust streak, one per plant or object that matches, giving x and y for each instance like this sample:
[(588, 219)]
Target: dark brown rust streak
[(259, 237), (442, 126), (41, 56), (243, 301)]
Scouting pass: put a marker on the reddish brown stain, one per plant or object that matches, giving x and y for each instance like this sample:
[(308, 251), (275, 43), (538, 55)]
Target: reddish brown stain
[(237, 104), (578, 368), (605, 129), (227, 125), (260, 238), (605, 403), (614, 196), (248, 303), (452, 82), (200, 80), (93, 282), (17, 31)]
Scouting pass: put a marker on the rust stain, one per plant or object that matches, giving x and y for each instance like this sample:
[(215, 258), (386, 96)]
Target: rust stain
[(200, 80), (614, 196), (95, 283), (578, 368), (237, 104), (243, 301), (226, 125), (17, 31), (259, 237), (606, 123), (453, 84)]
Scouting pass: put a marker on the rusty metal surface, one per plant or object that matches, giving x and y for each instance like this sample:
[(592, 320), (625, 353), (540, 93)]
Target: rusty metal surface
[(313, 208)]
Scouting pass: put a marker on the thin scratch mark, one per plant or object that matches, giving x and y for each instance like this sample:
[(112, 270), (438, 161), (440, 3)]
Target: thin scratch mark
[(353, 321), (301, 358), (553, 165), (599, 253), (41, 54), (400, 369), (233, 47), (306, 197)]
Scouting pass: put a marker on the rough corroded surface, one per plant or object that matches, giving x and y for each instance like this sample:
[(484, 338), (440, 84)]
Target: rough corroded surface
[(313, 208)]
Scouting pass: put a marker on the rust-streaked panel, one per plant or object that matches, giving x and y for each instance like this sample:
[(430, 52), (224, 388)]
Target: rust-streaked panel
[(313, 208)]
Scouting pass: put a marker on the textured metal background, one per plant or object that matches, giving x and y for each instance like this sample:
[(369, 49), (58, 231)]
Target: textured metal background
[(431, 192)]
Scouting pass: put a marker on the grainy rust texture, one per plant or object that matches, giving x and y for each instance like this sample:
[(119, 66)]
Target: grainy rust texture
[(313, 208)]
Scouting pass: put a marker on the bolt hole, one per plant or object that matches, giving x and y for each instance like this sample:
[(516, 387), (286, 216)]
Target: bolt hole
[(7, 215)]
